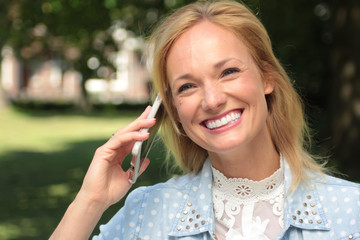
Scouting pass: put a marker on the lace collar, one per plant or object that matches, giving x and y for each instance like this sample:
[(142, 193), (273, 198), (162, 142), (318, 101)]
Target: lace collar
[(246, 190)]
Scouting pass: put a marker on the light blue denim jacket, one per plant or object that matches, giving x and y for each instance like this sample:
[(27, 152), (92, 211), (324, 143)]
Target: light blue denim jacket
[(182, 208)]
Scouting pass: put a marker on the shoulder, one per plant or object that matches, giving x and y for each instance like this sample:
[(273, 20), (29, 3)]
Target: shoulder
[(340, 198), (177, 186), (335, 181), (328, 206), (149, 209), (148, 196), (339, 188), (171, 189), (340, 202)]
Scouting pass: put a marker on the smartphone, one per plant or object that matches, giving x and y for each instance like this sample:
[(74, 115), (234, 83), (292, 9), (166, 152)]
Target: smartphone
[(142, 148)]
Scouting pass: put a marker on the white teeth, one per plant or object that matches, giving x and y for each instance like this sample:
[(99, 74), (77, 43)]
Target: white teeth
[(230, 118)]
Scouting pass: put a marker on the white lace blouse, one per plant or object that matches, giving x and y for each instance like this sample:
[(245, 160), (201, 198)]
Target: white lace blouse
[(246, 209)]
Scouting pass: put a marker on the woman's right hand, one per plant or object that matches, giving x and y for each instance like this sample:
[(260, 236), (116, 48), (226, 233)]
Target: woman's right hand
[(106, 182)]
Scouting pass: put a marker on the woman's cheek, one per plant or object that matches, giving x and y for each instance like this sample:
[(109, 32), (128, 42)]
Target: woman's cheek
[(180, 102)]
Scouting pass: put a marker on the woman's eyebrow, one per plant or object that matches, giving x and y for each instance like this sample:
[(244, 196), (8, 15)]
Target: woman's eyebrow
[(215, 66), (185, 76), (223, 62)]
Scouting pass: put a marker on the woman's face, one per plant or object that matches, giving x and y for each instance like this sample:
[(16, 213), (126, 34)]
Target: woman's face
[(217, 89)]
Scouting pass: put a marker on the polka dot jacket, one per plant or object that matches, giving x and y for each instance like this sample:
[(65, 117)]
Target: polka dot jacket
[(181, 208)]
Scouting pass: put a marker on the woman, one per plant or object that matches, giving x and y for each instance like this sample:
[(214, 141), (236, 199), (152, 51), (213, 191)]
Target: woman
[(235, 123)]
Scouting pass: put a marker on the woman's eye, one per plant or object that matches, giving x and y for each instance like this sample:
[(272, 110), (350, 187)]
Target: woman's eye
[(185, 87), (230, 71)]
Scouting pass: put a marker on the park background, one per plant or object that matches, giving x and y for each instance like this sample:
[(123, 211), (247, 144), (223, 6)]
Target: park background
[(73, 72)]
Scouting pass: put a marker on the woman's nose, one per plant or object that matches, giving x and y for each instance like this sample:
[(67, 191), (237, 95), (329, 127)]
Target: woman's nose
[(213, 97)]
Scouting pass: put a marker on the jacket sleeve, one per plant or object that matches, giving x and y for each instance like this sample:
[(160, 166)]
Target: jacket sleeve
[(122, 225)]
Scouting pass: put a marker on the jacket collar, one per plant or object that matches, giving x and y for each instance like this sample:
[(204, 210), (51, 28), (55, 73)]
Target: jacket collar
[(195, 214), (302, 209)]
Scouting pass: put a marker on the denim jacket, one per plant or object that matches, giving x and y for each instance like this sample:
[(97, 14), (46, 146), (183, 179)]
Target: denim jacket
[(182, 208)]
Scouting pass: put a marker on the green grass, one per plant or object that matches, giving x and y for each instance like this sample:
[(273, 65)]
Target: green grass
[(44, 156)]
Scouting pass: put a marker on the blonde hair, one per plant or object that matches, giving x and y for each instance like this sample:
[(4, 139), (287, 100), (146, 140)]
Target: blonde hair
[(286, 122)]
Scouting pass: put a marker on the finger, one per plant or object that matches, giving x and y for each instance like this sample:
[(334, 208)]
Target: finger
[(145, 113), (126, 140), (140, 122), (147, 123), (137, 125)]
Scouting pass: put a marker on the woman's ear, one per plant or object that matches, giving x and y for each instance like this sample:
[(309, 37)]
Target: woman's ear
[(269, 86), (269, 83)]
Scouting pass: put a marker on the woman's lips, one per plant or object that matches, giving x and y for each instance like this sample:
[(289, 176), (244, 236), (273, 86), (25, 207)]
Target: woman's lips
[(229, 118)]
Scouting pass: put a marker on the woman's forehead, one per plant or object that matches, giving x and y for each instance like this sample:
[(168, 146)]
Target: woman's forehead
[(205, 43)]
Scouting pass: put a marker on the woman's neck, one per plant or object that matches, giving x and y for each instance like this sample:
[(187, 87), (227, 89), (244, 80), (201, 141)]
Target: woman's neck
[(253, 161)]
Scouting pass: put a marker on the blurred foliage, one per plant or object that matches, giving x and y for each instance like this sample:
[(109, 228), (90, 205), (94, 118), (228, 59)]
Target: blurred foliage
[(74, 31)]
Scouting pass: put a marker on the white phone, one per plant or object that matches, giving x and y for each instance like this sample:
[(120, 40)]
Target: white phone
[(142, 148)]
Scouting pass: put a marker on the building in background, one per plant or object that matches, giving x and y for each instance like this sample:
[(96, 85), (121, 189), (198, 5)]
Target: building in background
[(130, 83), (50, 81)]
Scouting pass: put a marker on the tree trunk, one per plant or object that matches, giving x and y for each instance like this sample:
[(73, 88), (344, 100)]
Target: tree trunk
[(83, 102), (345, 96), (3, 102)]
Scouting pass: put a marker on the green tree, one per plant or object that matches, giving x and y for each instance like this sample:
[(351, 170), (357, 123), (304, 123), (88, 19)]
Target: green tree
[(345, 85), (72, 31)]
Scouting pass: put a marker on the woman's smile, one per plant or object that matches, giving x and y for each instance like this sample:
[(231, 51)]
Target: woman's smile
[(224, 121)]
